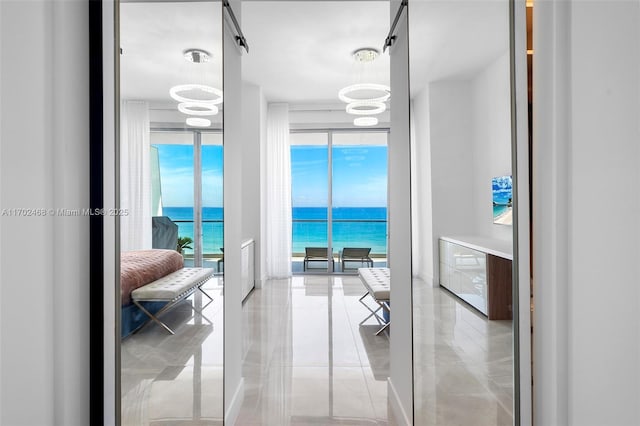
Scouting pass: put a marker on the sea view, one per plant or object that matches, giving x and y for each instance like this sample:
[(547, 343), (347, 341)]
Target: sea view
[(352, 227)]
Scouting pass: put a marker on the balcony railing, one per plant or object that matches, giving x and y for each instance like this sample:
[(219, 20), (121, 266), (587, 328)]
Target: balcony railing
[(306, 233), (212, 236), (345, 233)]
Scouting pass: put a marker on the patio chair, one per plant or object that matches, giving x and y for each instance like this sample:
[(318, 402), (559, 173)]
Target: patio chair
[(316, 254), (356, 254), (221, 260)]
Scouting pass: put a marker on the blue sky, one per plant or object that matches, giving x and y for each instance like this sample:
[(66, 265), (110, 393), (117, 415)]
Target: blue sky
[(176, 171), (359, 175)]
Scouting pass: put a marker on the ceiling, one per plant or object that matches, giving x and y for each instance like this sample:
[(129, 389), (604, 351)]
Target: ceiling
[(301, 51)]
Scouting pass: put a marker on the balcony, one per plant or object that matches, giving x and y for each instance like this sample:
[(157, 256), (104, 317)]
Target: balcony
[(212, 241), (306, 233), (345, 233)]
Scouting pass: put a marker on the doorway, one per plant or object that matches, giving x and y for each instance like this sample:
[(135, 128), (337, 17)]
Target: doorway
[(339, 200)]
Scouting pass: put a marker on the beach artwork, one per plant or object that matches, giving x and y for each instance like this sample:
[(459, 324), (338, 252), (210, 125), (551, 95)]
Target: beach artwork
[(502, 200)]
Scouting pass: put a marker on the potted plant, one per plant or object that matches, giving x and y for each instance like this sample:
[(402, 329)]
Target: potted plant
[(184, 243)]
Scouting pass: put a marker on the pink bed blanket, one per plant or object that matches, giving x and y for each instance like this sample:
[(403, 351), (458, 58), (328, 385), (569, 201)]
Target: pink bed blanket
[(141, 267)]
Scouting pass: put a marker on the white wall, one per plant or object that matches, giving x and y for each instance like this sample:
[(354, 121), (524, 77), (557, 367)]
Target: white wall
[(586, 208), (233, 151), (421, 188), (252, 113), (400, 389), (44, 269), (491, 142), (452, 162), (462, 140)]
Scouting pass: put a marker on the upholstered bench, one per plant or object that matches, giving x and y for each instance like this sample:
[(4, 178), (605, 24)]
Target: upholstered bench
[(377, 281), (172, 289)]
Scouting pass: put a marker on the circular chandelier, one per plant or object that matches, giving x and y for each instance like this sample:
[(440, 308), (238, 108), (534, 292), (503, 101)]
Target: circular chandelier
[(197, 99), (175, 91), (350, 93), (198, 122), (197, 108), (365, 121), (365, 107), (365, 99)]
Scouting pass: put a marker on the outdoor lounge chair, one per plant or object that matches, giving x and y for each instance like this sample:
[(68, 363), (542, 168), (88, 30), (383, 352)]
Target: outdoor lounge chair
[(221, 260), (356, 254), (319, 254)]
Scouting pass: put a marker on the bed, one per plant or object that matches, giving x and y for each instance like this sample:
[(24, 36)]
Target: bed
[(138, 268)]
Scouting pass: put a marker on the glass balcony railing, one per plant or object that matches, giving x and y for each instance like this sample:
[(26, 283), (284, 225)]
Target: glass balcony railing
[(306, 233), (212, 236), (370, 233)]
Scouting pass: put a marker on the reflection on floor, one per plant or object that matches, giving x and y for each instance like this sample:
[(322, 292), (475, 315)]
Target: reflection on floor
[(315, 268), (176, 380), (463, 363), (307, 361)]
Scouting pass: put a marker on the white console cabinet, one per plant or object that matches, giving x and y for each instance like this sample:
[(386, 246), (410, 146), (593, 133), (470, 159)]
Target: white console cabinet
[(478, 271)]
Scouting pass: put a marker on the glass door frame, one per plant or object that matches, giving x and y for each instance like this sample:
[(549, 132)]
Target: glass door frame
[(198, 251), (330, 132)]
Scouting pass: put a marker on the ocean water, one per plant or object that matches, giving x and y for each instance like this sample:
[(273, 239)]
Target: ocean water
[(352, 227), (499, 209), (212, 226)]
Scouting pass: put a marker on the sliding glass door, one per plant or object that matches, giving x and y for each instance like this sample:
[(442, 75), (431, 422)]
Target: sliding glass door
[(187, 188), (339, 199), (359, 196), (310, 201)]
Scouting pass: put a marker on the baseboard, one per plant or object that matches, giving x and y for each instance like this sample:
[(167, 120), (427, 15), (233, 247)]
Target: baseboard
[(232, 412), (398, 411), (434, 282)]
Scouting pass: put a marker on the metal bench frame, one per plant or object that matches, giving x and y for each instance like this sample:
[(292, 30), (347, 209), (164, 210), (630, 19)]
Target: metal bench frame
[(171, 303), (382, 305)]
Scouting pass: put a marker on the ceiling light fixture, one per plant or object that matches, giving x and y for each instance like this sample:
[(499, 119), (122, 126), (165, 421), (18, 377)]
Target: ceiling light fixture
[(198, 122), (365, 98), (197, 108), (362, 92), (197, 99), (365, 108), (197, 56), (365, 121), (175, 91)]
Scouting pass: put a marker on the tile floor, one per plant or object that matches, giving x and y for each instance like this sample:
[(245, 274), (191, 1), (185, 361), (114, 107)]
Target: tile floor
[(463, 363), (176, 380), (308, 362)]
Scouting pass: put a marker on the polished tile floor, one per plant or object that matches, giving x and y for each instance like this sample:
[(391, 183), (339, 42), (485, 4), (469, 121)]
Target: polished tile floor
[(308, 362), (463, 363), (176, 380)]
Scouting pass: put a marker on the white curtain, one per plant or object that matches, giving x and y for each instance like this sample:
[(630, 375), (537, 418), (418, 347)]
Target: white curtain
[(135, 176), (277, 205)]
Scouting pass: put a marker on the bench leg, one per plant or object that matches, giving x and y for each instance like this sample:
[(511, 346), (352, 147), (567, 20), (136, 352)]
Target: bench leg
[(204, 306), (385, 306), (170, 305), (206, 294), (154, 317), (374, 313)]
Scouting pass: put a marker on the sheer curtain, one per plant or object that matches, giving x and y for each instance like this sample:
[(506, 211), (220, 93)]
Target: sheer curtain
[(277, 205), (135, 176)]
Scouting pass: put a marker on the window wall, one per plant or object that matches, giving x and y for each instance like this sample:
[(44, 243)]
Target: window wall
[(188, 189), (339, 194)]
